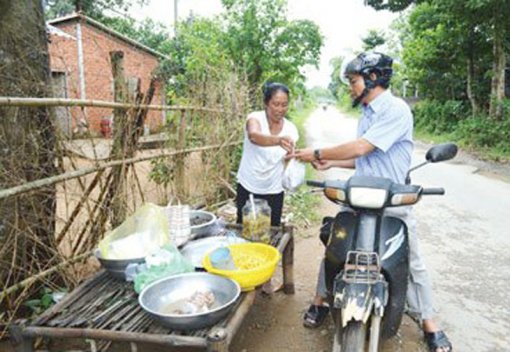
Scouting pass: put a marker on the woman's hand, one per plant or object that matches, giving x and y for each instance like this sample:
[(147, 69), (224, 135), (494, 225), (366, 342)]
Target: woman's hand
[(286, 143)]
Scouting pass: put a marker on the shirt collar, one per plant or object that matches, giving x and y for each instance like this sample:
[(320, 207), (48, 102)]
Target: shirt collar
[(380, 101)]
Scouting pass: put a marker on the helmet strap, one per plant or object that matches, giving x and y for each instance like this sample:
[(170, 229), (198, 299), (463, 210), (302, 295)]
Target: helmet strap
[(359, 98), (369, 84)]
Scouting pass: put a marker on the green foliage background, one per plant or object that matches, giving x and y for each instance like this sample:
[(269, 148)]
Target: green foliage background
[(451, 64)]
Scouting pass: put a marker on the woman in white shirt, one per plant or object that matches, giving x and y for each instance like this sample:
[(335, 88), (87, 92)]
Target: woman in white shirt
[(268, 137)]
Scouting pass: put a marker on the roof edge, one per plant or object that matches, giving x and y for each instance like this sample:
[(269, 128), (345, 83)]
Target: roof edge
[(79, 16)]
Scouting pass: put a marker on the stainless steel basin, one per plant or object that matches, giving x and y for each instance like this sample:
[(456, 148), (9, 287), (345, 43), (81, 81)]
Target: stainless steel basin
[(159, 295), (116, 267), (205, 223)]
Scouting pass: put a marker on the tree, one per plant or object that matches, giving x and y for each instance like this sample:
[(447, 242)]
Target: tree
[(335, 83), (266, 46), (476, 18), (392, 5), (148, 32), (432, 60), (92, 8), (27, 143), (372, 40), (197, 54), (493, 15)]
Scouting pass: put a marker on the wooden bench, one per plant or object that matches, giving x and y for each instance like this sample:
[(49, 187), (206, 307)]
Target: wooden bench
[(104, 310)]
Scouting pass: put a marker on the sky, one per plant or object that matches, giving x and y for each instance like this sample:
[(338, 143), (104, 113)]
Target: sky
[(342, 23)]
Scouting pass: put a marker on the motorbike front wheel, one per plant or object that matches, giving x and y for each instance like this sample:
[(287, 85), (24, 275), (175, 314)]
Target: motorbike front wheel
[(352, 338)]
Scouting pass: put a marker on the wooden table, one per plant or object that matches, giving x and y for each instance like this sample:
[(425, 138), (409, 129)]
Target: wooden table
[(105, 310)]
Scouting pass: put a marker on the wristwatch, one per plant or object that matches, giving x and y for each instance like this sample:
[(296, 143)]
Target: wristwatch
[(317, 154)]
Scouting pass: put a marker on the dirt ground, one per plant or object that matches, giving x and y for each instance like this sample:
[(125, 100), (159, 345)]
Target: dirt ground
[(275, 322)]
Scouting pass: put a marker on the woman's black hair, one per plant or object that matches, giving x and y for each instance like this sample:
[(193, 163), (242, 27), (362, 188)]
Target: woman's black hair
[(270, 88)]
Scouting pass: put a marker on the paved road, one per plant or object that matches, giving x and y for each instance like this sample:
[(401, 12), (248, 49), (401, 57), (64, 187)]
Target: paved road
[(465, 239)]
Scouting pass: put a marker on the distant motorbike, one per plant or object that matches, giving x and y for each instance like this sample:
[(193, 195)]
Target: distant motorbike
[(367, 255)]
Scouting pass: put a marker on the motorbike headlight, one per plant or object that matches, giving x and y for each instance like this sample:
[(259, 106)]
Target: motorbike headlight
[(371, 198)]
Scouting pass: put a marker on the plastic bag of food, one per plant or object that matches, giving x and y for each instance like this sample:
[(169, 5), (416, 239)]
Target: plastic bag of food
[(167, 261), (139, 235)]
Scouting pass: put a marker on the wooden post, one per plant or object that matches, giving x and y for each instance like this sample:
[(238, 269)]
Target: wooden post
[(120, 127), (288, 263), (18, 341), (217, 340), (179, 161)]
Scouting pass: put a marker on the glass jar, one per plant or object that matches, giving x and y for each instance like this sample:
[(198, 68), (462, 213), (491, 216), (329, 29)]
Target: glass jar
[(257, 221)]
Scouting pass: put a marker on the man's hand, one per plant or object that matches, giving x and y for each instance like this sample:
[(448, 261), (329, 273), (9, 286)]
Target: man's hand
[(322, 164), (304, 155)]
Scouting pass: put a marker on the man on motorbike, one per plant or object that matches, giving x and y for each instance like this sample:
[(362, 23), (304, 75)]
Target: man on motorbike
[(383, 148)]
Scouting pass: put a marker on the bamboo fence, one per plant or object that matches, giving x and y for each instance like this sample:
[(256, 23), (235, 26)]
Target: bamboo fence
[(114, 183), (58, 102)]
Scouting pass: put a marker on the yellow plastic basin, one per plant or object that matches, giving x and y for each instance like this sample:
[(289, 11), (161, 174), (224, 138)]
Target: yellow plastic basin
[(255, 262)]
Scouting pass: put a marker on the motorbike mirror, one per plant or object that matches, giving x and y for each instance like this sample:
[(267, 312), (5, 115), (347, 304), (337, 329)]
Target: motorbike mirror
[(441, 152), (435, 154)]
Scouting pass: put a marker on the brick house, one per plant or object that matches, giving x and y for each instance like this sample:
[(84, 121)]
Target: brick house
[(80, 66)]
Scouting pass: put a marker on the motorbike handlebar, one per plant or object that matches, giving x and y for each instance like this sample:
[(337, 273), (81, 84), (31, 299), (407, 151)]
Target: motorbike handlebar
[(433, 191), (315, 184)]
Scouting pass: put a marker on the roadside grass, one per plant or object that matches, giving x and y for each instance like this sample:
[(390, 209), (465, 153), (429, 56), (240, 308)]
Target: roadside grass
[(430, 138), (299, 118), (490, 154), (302, 205)]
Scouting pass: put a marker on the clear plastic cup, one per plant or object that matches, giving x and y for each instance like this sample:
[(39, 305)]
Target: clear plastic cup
[(179, 223), (222, 259)]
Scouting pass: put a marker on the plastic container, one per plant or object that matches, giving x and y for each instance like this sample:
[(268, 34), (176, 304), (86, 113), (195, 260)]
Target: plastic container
[(222, 259), (255, 262), (179, 224), (257, 220)]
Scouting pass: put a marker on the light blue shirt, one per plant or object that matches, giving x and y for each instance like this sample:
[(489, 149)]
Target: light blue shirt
[(387, 123)]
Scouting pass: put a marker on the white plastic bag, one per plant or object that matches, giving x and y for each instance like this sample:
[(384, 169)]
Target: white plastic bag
[(293, 175), (141, 233)]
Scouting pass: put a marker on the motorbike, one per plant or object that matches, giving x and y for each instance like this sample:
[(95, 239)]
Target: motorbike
[(367, 254)]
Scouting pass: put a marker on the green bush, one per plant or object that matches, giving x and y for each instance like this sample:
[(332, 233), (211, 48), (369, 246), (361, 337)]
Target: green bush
[(438, 117), (482, 131), (454, 118)]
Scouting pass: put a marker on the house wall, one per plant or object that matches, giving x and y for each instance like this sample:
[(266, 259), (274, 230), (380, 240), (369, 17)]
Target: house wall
[(98, 73), (63, 58)]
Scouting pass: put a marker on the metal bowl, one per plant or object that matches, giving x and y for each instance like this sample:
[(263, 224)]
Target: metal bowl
[(156, 297), (207, 221), (116, 267)]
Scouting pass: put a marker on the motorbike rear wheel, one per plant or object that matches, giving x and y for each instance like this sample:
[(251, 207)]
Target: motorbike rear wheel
[(352, 338)]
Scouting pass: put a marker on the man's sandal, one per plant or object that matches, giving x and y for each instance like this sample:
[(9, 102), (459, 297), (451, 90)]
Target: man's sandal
[(437, 340), (315, 316)]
